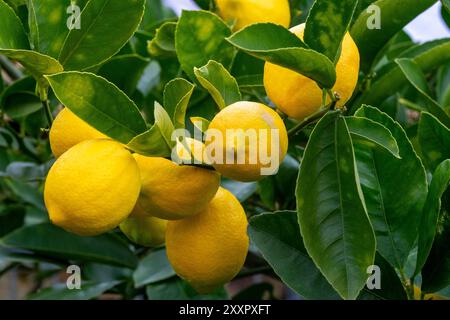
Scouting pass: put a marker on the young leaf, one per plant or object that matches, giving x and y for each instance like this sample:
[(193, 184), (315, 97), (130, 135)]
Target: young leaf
[(177, 94), (275, 44), (428, 56), (152, 268), (200, 37), (327, 24), (394, 190), (417, 78), (372, 133), (277, 236), (434, 139), (431, 212), (219, 82), (40, 238), (100, 103), (12, 33), (370, 40), (106, 26), (331, 212), (163, 43), (89, 290), (156, 141)]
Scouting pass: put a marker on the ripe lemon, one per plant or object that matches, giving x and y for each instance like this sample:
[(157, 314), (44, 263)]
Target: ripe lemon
[(240, 144), (143, 229), (298, 96), (209, 249), (92, 187), (172, 192), (68, 130), (246, 12)]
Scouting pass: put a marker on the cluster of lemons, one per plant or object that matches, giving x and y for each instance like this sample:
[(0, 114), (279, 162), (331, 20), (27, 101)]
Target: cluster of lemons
[(97, 184)]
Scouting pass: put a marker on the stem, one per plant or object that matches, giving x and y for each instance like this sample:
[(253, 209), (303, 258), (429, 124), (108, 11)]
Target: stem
[(10, 68), (302, 125), (48, 112)]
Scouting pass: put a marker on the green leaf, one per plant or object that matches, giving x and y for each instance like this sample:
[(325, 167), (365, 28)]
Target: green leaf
[(394, 190), (40, 238), (200, 123), (36, 63), (163, 43), (156, 12), (417, 78), (12, 33), (89, 290), (177, 94), (219, 82), (106, 25), (436, 271), (275, 44), (434, 140), (152, 268), (443, 86), (372, 133), (100, 103), (156, 141), (428, 56), (11, 218), (431, 212), (124, 71), (241, 190), (26, 192), (177, 289), (327, 24), (332, 215), (20, 104), (200, 37), (371, 41), (277, 236)]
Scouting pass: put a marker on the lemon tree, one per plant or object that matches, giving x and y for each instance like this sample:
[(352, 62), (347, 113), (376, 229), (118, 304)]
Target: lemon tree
[(168, 155)]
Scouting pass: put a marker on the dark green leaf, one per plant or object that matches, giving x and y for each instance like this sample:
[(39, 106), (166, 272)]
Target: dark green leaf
[(394, 190), (277, 236), (152, 268), (200, 37), (12, 33), (332, 215), (106, 25), (20, 104), (40, 238), (26, 192), (370, 41), (11, 218), (219, 82), (372, 133), (156, 12), (431, 212), (100, 103), (163, 43), (89, 290), (434, 139), (277, 45), (417, 78), (177, 94), (327, 24)]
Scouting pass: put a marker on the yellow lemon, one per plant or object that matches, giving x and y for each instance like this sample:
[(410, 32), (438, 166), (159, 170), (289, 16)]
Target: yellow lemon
[(246, 12), (92, 187), (143, 229), (68, 130), (209, 249), (246, 141), (172, 192), (298, 96), (190, 151), (428, 296)]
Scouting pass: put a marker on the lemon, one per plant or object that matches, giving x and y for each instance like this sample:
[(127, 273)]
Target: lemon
[(172, 192), (68, 130), (209, 249), (298, 96), (190, 151), (246, 12), (143, 229), (428, 296), (246, 141), (92, 187)]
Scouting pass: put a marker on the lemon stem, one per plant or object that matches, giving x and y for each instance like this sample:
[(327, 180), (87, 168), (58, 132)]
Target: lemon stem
[(302, 125)]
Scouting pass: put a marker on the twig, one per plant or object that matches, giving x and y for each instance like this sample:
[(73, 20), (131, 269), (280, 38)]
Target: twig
[(302, 125), (48, 112)]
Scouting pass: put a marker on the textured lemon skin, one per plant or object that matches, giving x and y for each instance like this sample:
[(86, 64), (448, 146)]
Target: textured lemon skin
[(172, 192), (246, 12), (298, 96), (246, 115), (209, 249), (92, 187), (143, 229), (68, 130)]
